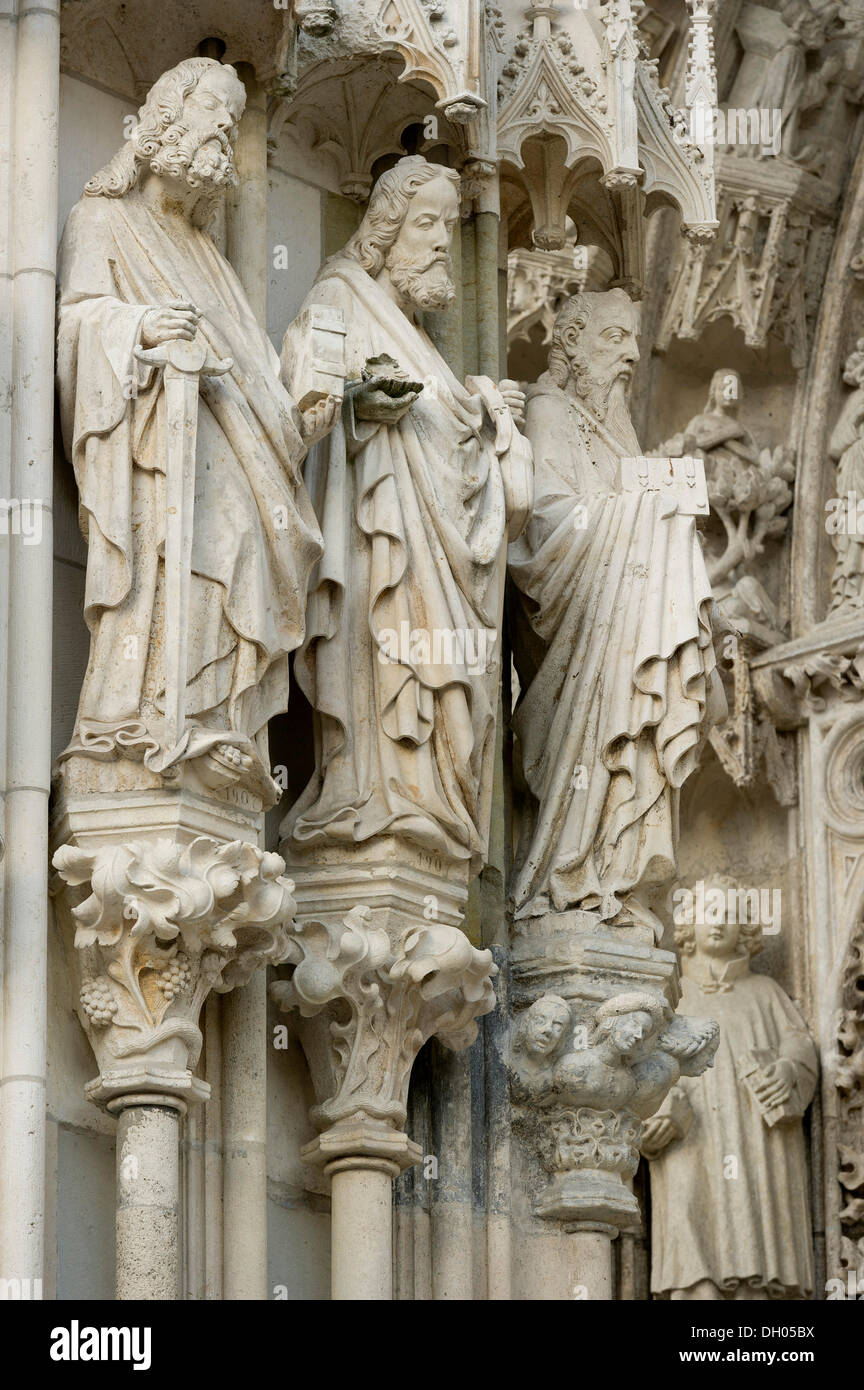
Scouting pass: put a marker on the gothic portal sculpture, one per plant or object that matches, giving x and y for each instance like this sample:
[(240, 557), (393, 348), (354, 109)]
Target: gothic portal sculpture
[(583, 1089), (749, 488), (729, 1197), (413, 490), (846, 447), (615, 645), (147, 301)]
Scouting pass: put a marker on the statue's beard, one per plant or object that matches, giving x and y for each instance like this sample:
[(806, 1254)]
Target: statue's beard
[(206, 164), (426, 287), (604, 396)]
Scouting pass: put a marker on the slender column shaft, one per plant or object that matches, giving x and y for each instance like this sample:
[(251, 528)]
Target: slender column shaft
[(244, 1013), (213, 1150), (362, 1229), (193, 1205), (594, 1263), (246, 225), (451, 1206), (488, 314), (148, 1202), (244, 1116), (28, 658)]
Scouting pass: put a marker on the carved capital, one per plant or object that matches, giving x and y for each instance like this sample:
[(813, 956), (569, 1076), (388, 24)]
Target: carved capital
[(158, 924), (583, 1082), (590, 1155), (378, 993)]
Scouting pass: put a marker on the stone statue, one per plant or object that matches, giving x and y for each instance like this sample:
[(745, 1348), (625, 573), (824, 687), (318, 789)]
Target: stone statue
[(413, 490), (614, 643), (583, 1092), (146, 302), (779, 80), (846, 447), (730, 1212), (749, 489), (717, 431), (634, 1050)]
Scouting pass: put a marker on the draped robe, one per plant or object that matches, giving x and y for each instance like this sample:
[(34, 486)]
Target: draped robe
[(255, 536), (846, 446), (615, 609), (414, 517), (749, 1225)]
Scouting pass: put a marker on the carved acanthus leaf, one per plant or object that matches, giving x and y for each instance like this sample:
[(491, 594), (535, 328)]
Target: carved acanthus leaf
[(429, 981)]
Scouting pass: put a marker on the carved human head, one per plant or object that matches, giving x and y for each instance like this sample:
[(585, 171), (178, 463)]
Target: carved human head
[(719, 920), (186, 130), (629, 1020), (544, 1024), (594, 346), (407, 229), (724, 393)]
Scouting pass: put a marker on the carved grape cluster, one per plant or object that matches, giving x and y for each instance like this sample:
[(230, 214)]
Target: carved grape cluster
[(98, 1002), (175, 976)]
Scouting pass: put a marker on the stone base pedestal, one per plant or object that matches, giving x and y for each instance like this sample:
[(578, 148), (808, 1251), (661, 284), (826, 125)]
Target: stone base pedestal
[(589, 1195), (568, 954)]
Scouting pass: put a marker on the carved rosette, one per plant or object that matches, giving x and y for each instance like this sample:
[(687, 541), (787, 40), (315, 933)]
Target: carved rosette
[(378, 997), (158, 925)]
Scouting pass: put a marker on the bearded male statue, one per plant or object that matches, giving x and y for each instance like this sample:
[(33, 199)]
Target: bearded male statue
[(612, 637), (138, 271), (415, 490)]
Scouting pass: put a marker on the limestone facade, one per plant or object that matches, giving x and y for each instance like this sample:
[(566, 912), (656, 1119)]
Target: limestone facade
[(432, 650)]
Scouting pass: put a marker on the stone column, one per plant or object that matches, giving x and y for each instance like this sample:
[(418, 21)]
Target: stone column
[(244, 1016), (362, 1227), (594, 1053), (148, 1197), (373, 979), (35, 40), (159, 922)]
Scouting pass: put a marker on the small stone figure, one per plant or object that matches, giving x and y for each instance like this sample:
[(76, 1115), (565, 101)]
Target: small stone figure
[(730, 1212), (846, 447)]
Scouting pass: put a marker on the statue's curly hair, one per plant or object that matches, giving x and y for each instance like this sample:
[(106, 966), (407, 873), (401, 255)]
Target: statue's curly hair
[(163, 106), (749, 935), (387, 207), (574, 313)]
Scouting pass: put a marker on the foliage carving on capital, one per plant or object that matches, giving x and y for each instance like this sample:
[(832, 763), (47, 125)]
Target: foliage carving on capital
[(161, 925), (429, 981)]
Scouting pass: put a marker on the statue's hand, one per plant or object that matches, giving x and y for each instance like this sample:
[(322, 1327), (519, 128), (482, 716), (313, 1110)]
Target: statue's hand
[(657, 1134), (177, 319), (514, 397), (372, 402), (319, 419), (776, 1083)]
